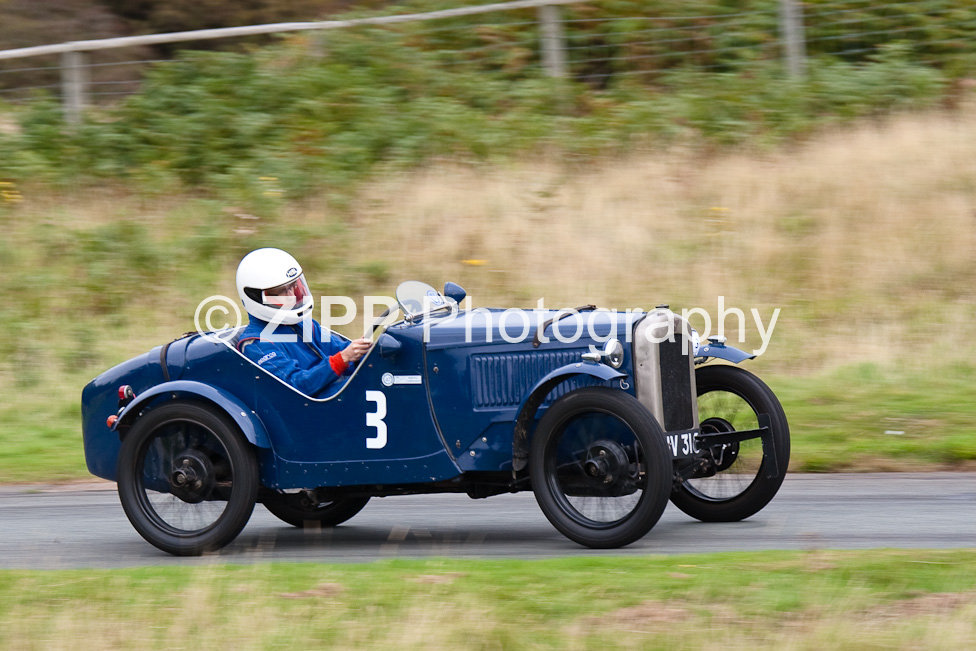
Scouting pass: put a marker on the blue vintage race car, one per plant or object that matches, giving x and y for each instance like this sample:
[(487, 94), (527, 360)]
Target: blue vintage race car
[(604, 415)]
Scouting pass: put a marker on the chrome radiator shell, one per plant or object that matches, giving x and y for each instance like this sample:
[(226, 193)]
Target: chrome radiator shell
[(664, 369)]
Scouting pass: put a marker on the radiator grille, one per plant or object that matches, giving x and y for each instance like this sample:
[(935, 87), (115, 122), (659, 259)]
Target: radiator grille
[(676, 386), (503, 379)]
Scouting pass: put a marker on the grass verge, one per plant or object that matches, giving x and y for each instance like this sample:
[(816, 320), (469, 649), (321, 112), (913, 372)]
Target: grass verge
[(869, 417), (800, 600)]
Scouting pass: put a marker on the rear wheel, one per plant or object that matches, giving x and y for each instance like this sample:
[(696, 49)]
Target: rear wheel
[(303, 509), (744, 478), (600, 469), (187, 478)]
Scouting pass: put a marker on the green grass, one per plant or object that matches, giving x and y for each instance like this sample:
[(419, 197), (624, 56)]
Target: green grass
[(803, 600), (40, 438), (873, 417)]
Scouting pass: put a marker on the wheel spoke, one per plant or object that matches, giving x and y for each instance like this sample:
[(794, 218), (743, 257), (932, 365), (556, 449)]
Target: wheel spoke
[(186, 517), (600, 468), (723, 410), (593, 469), (732, 481), (187, 478), (178, 484), (737, 464)]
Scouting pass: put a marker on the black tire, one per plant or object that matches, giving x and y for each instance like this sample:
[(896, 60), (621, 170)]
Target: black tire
[(188, 479), (601, 471), (303, 511), (730, 398)]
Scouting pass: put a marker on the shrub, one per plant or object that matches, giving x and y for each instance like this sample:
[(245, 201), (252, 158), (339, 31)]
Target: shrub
[(222, 121)]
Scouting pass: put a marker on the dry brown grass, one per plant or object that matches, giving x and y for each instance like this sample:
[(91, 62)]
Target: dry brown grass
[(865, 236)]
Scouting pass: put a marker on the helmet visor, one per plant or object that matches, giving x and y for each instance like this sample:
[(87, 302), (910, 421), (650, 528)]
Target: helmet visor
[(288, 296)]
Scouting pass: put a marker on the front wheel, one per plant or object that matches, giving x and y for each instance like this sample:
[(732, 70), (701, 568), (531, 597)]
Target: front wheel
[(187, 478), (743, 478), (304, 509), (601, 471)]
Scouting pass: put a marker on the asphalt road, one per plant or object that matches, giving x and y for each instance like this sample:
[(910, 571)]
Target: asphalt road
[(57, 527)]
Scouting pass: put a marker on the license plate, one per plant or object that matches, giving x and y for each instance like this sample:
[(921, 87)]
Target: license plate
[(682, 444)]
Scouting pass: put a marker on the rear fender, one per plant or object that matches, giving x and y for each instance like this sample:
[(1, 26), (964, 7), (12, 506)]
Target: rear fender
[(251, 426), (530, 405)]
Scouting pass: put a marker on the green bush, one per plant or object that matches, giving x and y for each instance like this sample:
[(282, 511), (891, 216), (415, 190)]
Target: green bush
[(320, 122)]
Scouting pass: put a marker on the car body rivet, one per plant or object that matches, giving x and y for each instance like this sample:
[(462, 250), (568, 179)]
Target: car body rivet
[(471, 453)]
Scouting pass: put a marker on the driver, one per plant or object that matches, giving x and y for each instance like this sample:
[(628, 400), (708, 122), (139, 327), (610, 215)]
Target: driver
[(272, 288)]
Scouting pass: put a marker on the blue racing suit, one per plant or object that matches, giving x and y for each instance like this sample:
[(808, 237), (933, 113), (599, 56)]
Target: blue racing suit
[(311, 366)]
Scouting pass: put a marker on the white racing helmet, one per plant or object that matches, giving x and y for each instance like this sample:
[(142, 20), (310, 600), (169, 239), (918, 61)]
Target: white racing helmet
[(272, 287)]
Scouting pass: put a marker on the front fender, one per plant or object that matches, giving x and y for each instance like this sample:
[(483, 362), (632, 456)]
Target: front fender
[(596, 369), (536, 396), (721, 351), (252, 427)]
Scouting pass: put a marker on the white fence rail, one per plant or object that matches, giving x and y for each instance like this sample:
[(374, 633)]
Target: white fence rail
[(84, 72), (75, 83), (274, 28)]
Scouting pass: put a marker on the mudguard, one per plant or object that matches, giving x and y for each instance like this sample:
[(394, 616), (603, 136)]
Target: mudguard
[(596, 369), (721, 351), (535, 397), (251, 426)]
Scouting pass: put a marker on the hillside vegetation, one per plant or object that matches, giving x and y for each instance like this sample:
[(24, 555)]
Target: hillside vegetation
[(862, 236), (322, 111)]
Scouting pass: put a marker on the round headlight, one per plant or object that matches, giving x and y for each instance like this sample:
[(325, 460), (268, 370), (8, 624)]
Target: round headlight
[(695, 342), (613, 353)]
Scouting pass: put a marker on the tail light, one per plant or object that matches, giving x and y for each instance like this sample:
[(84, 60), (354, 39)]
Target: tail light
[(126, 395)]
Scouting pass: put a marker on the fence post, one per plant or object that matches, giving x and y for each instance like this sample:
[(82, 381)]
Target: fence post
[(791, 33), (74, 85), (553, 41)]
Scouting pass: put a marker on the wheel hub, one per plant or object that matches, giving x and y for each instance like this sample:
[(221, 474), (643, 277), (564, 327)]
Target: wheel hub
[(606, 463), (723, 455), (192, 477)]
